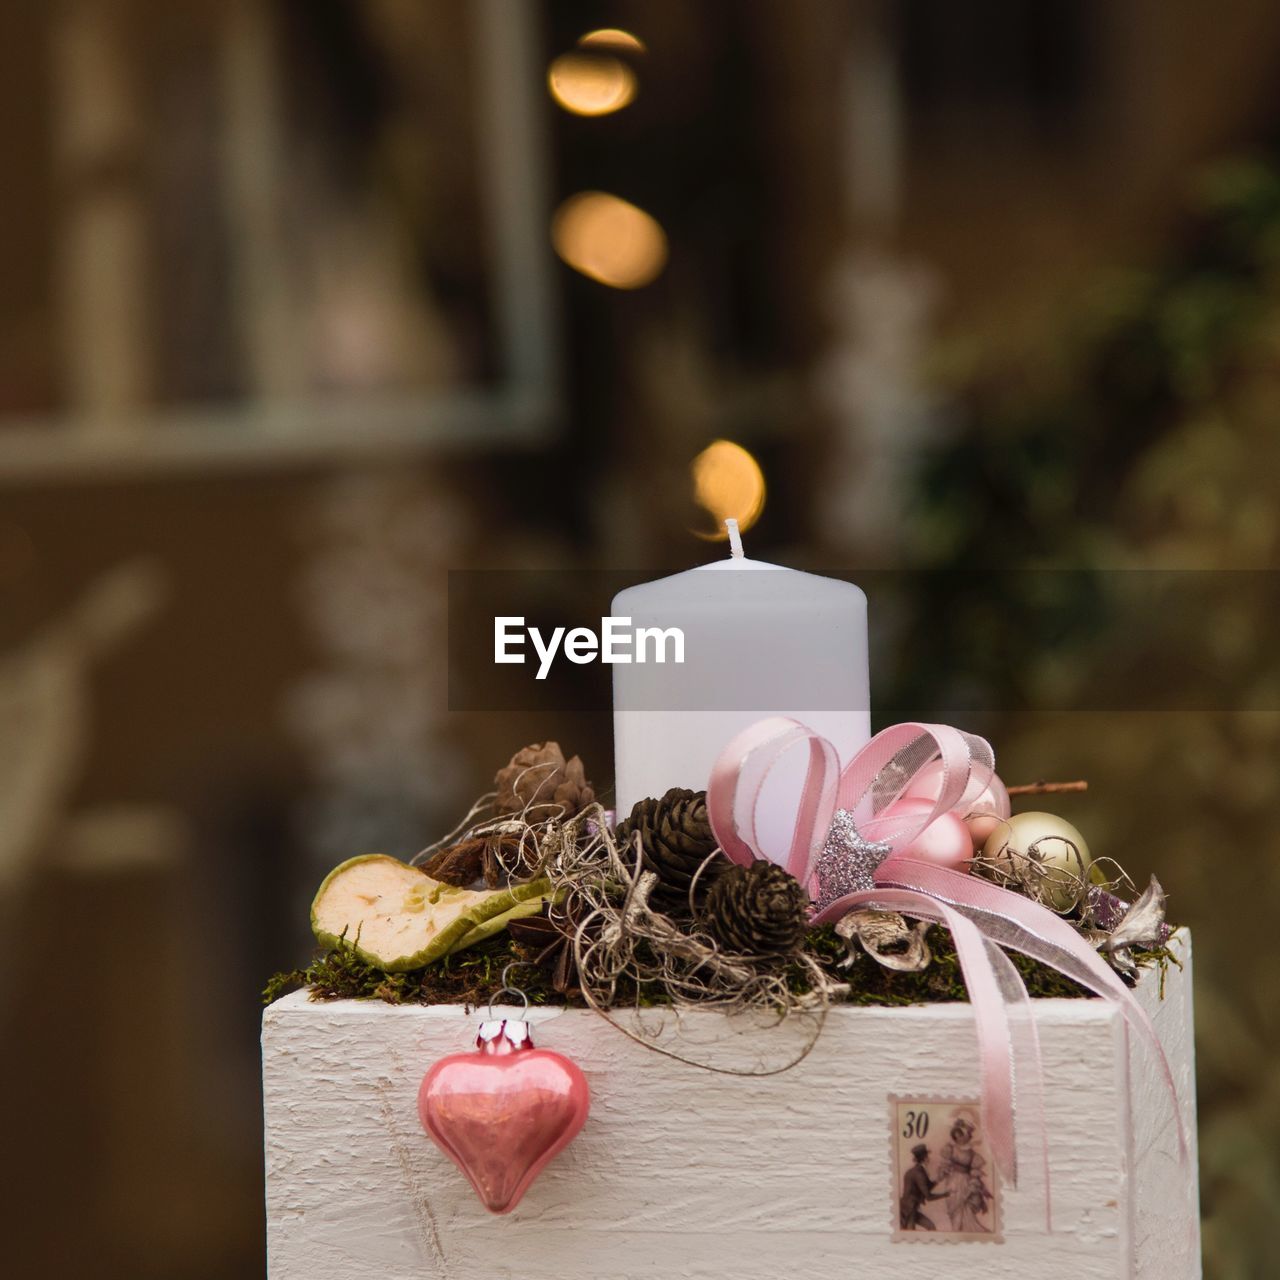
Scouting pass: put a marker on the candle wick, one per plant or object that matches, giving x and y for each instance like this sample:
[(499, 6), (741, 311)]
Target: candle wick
[(735, 539)]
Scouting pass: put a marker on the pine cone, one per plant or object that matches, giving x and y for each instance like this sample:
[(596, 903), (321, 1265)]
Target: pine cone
[(675, 840), (539, 783), (758, 910)]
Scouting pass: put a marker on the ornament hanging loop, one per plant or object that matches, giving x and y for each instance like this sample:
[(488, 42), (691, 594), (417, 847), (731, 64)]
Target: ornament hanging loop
[(508, 990)]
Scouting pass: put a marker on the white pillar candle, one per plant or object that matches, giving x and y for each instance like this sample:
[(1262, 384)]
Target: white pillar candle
[(759, 640)]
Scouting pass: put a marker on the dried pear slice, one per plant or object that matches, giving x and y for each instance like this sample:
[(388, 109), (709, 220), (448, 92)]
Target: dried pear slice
[(397, 917), (496, 924)]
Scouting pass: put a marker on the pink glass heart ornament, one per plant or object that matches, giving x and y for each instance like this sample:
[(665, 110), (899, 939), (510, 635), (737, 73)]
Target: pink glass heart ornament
[(502, 1112)]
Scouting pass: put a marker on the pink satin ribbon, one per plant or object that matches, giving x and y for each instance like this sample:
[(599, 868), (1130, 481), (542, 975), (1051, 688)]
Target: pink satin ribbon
[(981, 916)]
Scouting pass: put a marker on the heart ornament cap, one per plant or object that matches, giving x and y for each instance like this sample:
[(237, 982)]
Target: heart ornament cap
[(502, 1112)]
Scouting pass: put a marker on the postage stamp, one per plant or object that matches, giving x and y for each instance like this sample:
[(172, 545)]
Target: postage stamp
[(945, 1186)]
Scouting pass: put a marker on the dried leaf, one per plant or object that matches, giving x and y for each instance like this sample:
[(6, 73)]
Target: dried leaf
[(1142, 926), (887, 938), (1143, 923)]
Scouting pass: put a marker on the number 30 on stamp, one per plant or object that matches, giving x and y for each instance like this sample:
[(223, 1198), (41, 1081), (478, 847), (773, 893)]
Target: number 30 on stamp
[(945, 1186)]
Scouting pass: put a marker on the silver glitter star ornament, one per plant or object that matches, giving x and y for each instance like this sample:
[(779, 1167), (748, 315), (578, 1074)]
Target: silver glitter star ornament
[(848, 861)]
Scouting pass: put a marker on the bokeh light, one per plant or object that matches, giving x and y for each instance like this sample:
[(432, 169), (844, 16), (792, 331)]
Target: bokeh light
[(728, 484), (609, 240), (591, 84), (612, 38)]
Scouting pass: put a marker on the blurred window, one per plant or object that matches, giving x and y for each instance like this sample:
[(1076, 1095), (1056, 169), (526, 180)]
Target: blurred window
[(263, 230)]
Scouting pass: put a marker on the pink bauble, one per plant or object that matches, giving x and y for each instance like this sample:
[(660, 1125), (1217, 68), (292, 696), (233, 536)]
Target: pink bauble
[(982, 826), (993, 799), (501, 1113), (978, 797), (945, 842)]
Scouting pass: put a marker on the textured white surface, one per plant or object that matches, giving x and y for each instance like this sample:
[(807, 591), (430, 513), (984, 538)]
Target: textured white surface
[(686, 1174)]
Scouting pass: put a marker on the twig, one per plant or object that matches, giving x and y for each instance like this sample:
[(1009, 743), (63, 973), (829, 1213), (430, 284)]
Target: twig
[(1047, 788)]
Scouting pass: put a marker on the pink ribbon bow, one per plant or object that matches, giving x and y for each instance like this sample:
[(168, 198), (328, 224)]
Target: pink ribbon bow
[(981, 916)]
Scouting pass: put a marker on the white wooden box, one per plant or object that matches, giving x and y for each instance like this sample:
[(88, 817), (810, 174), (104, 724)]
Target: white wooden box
[(684, 1173)]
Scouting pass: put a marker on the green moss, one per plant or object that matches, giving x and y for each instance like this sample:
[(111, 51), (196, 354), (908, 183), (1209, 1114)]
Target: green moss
[(466, 977), (941, 982), (1162, 958), (470, 977)]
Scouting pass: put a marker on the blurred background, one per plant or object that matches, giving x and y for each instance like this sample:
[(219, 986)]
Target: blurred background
[(306, 304)]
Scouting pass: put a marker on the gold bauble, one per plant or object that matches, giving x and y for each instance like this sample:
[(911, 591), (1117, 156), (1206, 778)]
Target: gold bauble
[(1042, 853)]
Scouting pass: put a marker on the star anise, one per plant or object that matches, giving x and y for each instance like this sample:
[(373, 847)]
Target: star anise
[(548, 940), (496, 858)]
